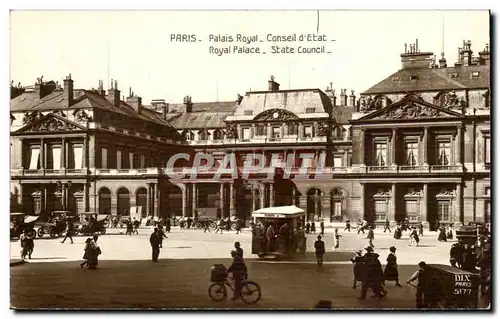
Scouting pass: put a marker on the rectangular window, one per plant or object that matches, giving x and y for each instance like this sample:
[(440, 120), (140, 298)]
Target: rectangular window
[(276, 132), (381, 154), (487, 191), (412, 210), (248, 112), (131, 159), (380, 210), (475, 74), (337, 208), (487, 150), (444, 210), (246, 133), (487, 211), (54, 157), (292, 129), (35, 158), (143, 161), (104, 158), (338, 161), (411, 151), (308, 131), (310, 110), (443, 153), (119, 159), (77, 156)]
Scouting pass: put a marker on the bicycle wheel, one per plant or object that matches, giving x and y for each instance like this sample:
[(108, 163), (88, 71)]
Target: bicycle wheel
[(217, 291), (250, 292)]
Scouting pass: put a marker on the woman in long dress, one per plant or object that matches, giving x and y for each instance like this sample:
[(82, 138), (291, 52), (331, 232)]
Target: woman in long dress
[(86, 253), (391, 269), (397, 232)]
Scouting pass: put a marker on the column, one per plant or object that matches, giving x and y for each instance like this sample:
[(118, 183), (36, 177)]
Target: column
[(45, 197), (63, 152), (300, 133), (84, 152), (426, 141), (252, 131), (92, 152), (423, 217), (318, 204), (222, 199), (362, 147), (458, 154), (346, 157), (393, 147), (285, 129), (231, 199), (85, 196), (458, 218), (294, 196), (392, 213), (155, 199), (253, 199), (66, 157), (20, 198), (184, 200), (42, 153), (158, 201), (148, 200), (195, 198), (269, 132), (262, 194), (271, 194), (362, 200)]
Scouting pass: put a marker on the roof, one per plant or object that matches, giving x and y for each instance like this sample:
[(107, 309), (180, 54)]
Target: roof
[(202, 115), (452, 78), (279, 212), (342, 114), (295, 101)]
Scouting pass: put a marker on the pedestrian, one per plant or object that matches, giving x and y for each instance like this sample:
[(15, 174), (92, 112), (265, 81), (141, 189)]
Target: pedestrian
[(239, 225), (130, 227), (456, 253), (86, 253), (69, 232), (373, 275), (337, 238), (391, 269), (219, 226), (240, 273), (347, 225), (442, 234), (362, 226), (136, 224), (162, 235), (420, 274), (370, 236), (398, 232), (414, 237), (168, 224), (155, 241), (420, 229), (449, 234), (94, 252), (228, 224), (308, 227), (23, 239), (387, 226), (313, 227), (189, 222), (206, 226), (270, 235), (358, 269), (239, 250), (322, 228), (319, 247)]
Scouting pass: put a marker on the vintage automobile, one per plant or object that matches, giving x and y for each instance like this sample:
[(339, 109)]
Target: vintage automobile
[(19, 222), (91, 223), (57, 223), (287, 241), (200, 220), (450, 288)]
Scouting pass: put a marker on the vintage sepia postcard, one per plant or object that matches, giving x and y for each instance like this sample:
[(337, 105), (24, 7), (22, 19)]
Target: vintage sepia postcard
[(314, 159)]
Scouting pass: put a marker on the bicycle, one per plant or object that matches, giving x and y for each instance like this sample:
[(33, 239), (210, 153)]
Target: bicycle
[(218, 291)]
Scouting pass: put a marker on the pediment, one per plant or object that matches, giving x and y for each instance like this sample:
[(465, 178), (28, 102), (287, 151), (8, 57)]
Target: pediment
[(49, 123), (275, 115), (410, 109)]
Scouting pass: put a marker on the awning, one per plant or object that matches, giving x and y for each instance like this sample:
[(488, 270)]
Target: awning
[(279, 212), (101, 217), (30, 219)]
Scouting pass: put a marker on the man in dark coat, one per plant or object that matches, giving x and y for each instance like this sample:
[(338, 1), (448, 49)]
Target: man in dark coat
[(358, 268), (319, 247), (373, 275), (387, 226), (322, 228), (240, 273), (155, 241), (238, 249), (370, 236), (420, 229), (347, 225), (69, 232), (420, 274), (456, 255)]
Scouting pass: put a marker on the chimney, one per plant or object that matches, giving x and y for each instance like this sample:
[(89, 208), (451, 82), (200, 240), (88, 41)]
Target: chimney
[(442, 61), (273, 86), (100, 89), (343, 97), (68, 90), (39, 88), (134, 101), (484, 56), (239, 99), (330, 92), (414, 59), (164, 111), (159, 105), (188, 105), (114, 94), (352, 99), (467, 53)]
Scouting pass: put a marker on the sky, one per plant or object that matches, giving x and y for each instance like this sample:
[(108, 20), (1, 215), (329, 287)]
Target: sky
[(135, 48)]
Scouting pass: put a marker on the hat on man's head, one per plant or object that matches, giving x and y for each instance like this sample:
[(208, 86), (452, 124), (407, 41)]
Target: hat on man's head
[(359, 252), (422, 264), (392, 248), (369, 249)]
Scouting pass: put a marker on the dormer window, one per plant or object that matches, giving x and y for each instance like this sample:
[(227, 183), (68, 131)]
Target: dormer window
[(414, 77), (248, 112), (474, 75), (310, 110), (454, 75), (396, 79)]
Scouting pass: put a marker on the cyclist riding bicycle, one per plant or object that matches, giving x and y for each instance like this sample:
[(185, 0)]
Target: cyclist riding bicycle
[(240, 273)]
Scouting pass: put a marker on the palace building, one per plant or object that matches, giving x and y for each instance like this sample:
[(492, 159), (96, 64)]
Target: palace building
[(415, 145)]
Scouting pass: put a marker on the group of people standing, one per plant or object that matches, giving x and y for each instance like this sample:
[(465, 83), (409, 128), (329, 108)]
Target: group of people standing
[(91, 253), (27, 244)]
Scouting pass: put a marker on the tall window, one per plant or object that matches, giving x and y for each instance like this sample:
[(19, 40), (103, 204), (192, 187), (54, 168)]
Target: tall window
[(443, 153), (487, 150), (337, 208), (411, 150), (412, 210), (276, 132), (487, 211), (380, 209), (246, 133), (308, 131), (77, 156), (381, 154), (143, 161), (292, 129), (444, 210), (119, 159), (338, 161), (131, 159), (104, 158), (54, 157), (35, 157)]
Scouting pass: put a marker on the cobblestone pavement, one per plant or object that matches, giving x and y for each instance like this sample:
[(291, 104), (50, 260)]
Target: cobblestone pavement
[(126, 277)]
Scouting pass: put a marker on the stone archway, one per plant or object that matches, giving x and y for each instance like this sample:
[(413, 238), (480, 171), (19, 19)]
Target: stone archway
[(141, 199), (314, 207), (337, 204), (123, 200), (104, 201)]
